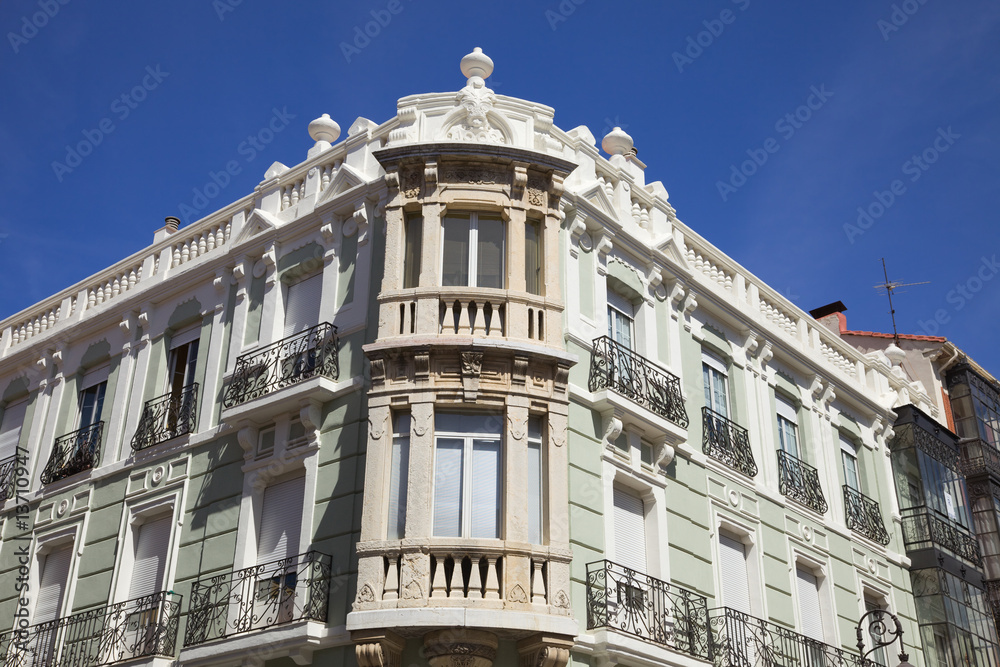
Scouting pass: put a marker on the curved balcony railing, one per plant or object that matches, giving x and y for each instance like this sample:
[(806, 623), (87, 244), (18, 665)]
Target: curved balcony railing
[(139, 628), (8, 478), (614, 366), (167, 417), (800, 481), (923, 528), (864, 517), (741, 640), (726, 441), (634, 603), (978, 457), (74, 453), (293, 589), (312, 353)]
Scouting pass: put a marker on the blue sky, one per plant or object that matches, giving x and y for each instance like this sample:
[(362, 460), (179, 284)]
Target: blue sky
[(701, 87)]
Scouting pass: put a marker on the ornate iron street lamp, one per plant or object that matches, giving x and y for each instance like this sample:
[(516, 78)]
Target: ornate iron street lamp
[(882, 635)]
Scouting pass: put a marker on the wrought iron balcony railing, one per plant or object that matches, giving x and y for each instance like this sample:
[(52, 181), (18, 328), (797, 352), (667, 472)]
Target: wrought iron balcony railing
[(993, 598), (741, 640), (978, 457), (614, 366), (800, 481), (73, 453), (634, 603), (923, 528), (167, 417), (8, 478), (143, 627), (726, 441), (293, 589), (863, 516), (312, 353)]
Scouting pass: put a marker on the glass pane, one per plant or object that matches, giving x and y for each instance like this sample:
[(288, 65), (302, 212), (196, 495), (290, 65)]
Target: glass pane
[(850, 471), (706, 380), (448, 488), (485, 488), (455, 262), (398, 477), (720, 400), (535, 492), (411, 257), (489, 260), (532, 258), (786, 435), (91, 405), (451, 422), (535, 428)]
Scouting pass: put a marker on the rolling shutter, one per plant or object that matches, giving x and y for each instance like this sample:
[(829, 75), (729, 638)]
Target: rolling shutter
[(630, 530), (302, 304), (10, 428), (733, 572), (52, 585), (152, 543), (280, 520), (809, 607)]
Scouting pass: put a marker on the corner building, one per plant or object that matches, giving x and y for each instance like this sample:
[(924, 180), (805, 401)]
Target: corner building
[(455, 390)]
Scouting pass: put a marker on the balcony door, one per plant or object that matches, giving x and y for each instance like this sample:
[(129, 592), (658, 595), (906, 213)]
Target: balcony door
[(53, 581), (716, 384), (849, 460), (733, 576), (277, 546), (621, 319), (10, 434), (92, 404), (180, 378), (810, 616), (142, 622), (302, 304), (788, 437)]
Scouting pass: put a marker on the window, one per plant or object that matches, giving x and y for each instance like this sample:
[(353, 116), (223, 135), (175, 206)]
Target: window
[(49, 601), (278, 537), (788, 438), (878, 656), (535, 480), (10, 429), (152, 540), (413, 246), (849, 459), (716, 381), (810, 615), (302, 304), (92, 404), (533, 257), (467, 465), (399, 476), (733, 575), (620, 319), (630, 529), (473, 251)]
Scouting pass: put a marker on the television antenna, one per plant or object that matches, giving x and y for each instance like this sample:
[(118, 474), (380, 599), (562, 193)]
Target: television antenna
[(890, 287)]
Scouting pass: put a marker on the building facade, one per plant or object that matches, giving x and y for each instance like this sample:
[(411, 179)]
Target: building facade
[(456, 389)]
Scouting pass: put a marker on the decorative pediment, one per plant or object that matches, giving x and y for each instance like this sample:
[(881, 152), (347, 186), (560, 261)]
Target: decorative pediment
[(259, 222), (347, 178), (476, 120), (598, 198), (672, 250)]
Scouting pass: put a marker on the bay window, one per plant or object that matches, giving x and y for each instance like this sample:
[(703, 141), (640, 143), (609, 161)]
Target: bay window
[(473, 250), (533, 257), (413, 246), (467, 465)]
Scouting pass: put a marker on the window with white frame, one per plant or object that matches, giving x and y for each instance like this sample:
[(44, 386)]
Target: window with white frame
[(872, 603), (716, 382), (473, 250), (788, 436), (302, 304), (53, 581), (630, 529), (92, 400), (536, 481), (467, 468), (280, 522), (733, 574), (399, 464), (849, 460), (182, 361), (10, 428), (151, 541), (621, 319), (810, 609)]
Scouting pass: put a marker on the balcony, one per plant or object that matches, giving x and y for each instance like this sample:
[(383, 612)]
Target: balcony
[(627, 601), (167, 417), (614, 366), (139, 628), (740, 640), (800, 481), (73, 453), (923, 528), (264, 596), (727, 442), (306, 355), (864, 517), (979, 458), (8, 479)]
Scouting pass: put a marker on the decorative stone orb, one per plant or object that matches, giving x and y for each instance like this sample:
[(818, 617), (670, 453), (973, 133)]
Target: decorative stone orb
[(324, 128), (617, 142), (478, 64)]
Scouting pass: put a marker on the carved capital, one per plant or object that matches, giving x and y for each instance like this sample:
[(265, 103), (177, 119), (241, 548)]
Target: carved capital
[(542, 650), (612, 429), (460, 647), (247, 437), (378, 648)]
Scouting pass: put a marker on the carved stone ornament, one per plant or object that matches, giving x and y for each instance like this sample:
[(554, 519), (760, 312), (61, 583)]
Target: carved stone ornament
[(379, 648), (366, 594), (460, 647), (477, 100), (542, 650), (518, 427), (410, 182), (376, 428), (421, 422), (472, 366), (518, 595), (474, 174), (378, 370)]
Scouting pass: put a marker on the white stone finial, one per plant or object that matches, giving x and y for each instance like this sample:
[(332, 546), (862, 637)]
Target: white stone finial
[(895, 354), (477, 64), (617, 142), (324, 128)]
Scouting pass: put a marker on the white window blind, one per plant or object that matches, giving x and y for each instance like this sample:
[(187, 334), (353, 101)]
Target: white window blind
[(809, 607), (10, 428), (399, 477), (485, 490), (448, 487), (733, 574), (302, 304), (280, 520), (151, 546), (785, 408), (52, 585), (630, 530), (535, 482)]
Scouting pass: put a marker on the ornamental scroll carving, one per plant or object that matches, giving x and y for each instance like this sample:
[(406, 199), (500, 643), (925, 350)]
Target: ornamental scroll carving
[(477, 101)]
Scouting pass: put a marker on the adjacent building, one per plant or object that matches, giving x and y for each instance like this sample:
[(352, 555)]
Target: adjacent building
[(457, 389)]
